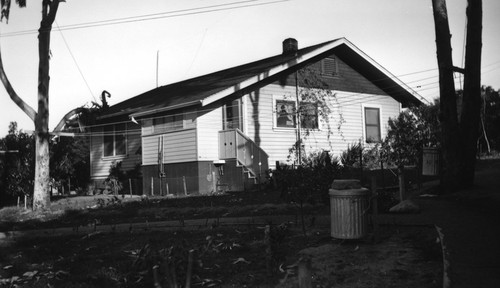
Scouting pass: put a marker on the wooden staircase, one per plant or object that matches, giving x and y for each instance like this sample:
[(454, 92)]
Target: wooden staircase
[(249, 158)]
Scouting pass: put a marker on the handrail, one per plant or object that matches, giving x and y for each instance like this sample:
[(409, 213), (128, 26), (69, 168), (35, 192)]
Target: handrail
[(248, 153), (250, 140)]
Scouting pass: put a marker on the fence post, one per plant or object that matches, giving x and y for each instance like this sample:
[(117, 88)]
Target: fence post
[(214, 182), (401, 178), (305, 273), (184, 184), (130, 186), (152, 186), (375, 205)]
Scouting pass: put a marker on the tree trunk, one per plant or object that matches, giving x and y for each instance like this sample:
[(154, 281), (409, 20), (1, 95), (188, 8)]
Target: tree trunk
[(470, 118), (41, 196), (450, 136)]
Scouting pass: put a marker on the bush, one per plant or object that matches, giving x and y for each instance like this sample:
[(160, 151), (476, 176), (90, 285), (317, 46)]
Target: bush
[(309, 182)]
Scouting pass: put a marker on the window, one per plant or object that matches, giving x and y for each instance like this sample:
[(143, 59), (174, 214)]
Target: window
[(174, 122), (115, 140), (232, 118), (309, 115), (285, 114), (329, 67), (372, 125)]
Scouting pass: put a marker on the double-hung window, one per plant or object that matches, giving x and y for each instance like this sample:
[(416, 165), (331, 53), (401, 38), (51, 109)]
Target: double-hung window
[(285, 114), (233, 115), (115, 140), (174, 122), (309, 115), (372, 125)]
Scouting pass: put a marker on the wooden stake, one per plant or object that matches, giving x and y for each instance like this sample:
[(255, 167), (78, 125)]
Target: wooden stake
[(130, 186), (305, 273), (214, 182), (184, 182), (189, 269), (375, 206), (152, 186)]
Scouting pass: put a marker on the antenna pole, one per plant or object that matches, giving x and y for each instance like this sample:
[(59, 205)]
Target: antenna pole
[(157, 58)]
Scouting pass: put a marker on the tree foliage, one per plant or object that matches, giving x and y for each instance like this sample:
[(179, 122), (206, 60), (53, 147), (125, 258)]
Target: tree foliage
[(18, 168), (70, 161), (413, 129)]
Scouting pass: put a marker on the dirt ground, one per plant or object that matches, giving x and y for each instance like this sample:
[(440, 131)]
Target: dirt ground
[(224, 256)]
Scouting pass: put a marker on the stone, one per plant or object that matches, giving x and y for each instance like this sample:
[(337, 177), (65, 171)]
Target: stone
[(406, 206)]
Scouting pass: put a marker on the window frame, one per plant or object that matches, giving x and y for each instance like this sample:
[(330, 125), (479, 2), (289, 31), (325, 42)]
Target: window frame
[(106, 139), (302, 116), (282, 99), (180, 121), (239, 102), (366, 125)]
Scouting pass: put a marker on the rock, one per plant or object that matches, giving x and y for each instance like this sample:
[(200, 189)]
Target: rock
[(406, 206)]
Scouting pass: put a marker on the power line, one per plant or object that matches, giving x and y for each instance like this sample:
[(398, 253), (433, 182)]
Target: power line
[(76, 63), (148, 17)]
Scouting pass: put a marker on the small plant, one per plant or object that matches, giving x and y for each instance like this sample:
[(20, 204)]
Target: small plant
[(116, 177)]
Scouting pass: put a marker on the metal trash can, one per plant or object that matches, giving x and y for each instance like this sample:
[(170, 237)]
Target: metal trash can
[(348, 207)]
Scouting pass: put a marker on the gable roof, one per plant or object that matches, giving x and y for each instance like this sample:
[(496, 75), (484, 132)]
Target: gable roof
[(209, 88)]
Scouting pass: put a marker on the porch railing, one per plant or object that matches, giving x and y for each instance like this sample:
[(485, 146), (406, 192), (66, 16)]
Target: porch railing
[(234, 144)]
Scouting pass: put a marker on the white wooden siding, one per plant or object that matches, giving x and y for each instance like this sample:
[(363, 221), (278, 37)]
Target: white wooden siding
[(178, 147), (277, 142), (99, 165), (208, 123)]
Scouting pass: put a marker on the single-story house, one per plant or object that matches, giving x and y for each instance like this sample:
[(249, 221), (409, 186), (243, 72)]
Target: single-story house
[(224, 130)]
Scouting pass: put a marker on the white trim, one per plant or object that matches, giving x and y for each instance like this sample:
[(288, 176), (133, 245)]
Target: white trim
[(274, 70), (363, 123), (298, 60)]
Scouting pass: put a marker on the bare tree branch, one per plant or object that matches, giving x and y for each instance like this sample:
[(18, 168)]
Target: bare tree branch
[(67, 117), (13, 95)]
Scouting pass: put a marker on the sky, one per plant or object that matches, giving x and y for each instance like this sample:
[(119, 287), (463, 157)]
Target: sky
[(124, 46)]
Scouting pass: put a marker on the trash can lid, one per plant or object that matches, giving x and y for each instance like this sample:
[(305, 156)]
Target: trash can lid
[(343, 184), (349, 192)]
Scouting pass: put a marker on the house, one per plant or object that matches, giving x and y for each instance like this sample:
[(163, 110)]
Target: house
[(222, 131)]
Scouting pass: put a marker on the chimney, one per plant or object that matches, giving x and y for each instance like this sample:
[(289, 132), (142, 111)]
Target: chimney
[(290, 46)]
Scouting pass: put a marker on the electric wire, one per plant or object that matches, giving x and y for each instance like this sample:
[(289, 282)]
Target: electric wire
[(76, 63), (148, 17)]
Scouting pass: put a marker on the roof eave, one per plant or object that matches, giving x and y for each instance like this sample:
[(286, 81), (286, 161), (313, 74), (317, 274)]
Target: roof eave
[(143, 114)]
